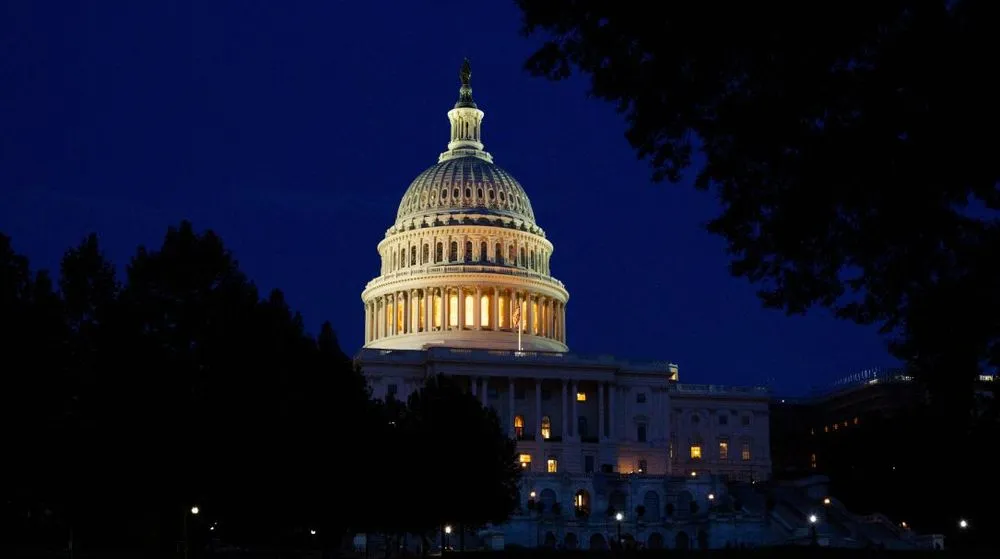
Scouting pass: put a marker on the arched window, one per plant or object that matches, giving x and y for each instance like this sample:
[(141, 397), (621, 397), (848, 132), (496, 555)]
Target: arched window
[(402, 258), (512, 256), (439, 252), (546, 427), (531, 262), (484, 252), (519, 427), (468, 251), (453, 253), (581, 502), (498, 254), (413, 255), (425, 254), (393, 268), (522, 261)]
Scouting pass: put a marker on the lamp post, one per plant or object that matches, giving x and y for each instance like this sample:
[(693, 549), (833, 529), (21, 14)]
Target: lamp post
[(619, 517), (447, 537), (193, 512)]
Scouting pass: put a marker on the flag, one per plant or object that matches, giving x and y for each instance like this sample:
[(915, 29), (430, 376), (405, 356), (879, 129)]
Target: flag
[(516, 315)]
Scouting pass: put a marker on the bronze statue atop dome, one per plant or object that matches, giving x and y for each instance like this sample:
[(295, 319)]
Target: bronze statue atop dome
[(465, 92), (466, 73)]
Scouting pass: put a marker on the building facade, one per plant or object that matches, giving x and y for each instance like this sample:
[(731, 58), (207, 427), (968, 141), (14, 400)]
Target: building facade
[(466, 290)]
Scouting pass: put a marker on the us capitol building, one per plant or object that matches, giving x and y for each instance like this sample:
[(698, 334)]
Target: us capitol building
[(466, 288)]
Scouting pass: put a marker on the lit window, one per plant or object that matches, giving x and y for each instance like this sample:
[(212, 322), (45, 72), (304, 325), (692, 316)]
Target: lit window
[(855, 420), (696, 452), (546, 427), (812, 460), (723, 450), (826, 429), (836, 426), (812, 431), (642, 466), (552, 466), (670, 450), (581, 396), (519, 427), (525, 460), (745, 453)]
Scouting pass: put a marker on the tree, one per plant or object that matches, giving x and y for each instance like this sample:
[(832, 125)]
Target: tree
[(837, 138), (179, 386), (464, 468)]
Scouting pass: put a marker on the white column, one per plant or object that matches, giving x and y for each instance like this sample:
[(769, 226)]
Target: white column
[(510, 406), (368, 318), (601, 434), (496, 309), (445, 310), (484, 391), (405, 298), (413, 303), (574, 388), (612, 396), (477, 310), (562, 418), (428, 309), (531, 315), (538, 410)]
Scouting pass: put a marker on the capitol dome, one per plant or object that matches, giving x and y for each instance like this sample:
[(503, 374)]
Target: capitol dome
[(465, 264)]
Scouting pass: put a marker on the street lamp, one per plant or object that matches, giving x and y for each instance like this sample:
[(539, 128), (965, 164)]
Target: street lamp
[(194, 512), (447, 536), (711, 496), (963, 524), (813, 519), (619, 517), (826, 501)]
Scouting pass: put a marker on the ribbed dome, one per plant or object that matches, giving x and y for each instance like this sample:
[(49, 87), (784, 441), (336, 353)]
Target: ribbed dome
[(465, 185)]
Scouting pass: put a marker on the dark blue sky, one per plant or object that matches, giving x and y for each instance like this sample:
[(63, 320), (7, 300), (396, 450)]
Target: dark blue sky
[(293, 129)]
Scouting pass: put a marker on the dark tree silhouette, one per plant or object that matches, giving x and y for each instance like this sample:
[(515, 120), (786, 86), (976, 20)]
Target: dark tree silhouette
[(839, 138), (464, 468), (129, 403)]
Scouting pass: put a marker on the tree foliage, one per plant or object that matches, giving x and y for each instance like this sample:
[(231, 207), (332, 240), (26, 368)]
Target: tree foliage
[(848, 143), (128, 400)]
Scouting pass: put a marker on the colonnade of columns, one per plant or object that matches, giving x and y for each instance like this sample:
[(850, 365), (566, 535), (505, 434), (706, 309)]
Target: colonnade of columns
[(568, 407), (449, 307)]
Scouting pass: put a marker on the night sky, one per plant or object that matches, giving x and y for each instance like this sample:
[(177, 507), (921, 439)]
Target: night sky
[(293, 130)]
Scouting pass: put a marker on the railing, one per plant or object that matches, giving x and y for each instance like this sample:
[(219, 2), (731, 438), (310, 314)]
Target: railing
[(459, 268), (721, 389)]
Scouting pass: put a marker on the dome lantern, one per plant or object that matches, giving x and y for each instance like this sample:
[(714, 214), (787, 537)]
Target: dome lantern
[(466, 122)]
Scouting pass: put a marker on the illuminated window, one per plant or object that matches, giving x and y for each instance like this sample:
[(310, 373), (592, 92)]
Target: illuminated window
[(723, 450), (468, 251), (812, 460), (504, 312), (696, 452), (581, 396), (546, 427), (552, 466), (470, 310), (836, 426), (812, 431), (519, 427), (826, 429), (484, 311), (642, 466), (525, 460), (484, 252), (856, 421), (425, 254), (439, 252), (745, 452), (670, 450), (413, 256)]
